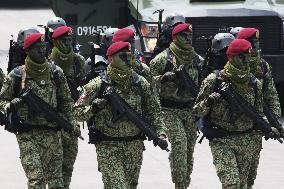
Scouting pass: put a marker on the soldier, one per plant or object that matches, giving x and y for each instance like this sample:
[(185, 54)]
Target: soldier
[(72, 65), (127, 35), (261, 69), (177, 108), (16, 53), (216, 56), (119, 145), (165, 38), (38, 137), (233, 150)]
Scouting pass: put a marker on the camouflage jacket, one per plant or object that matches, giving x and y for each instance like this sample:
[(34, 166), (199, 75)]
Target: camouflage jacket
[(57, 95), (270, 96), (219, 111), (77, 70), (2, 77), (144, 103), (168, 90)]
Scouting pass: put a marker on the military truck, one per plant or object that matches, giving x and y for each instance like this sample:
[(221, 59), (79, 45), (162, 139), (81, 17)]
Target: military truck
[(89, 17)]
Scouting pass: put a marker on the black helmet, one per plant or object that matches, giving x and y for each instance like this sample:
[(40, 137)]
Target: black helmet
[(235, 31), (171, 21), (106, 37), (100, 64), (55, 23), (221, 41), (24, 33)]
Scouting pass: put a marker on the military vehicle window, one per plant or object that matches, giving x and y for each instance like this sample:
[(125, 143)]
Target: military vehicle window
[(149, 33)]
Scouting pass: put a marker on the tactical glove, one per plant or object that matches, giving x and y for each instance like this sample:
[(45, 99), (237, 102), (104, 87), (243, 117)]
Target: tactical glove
[(162, 142), (15, 104), (168, 76), (213, 97), (98, 104)]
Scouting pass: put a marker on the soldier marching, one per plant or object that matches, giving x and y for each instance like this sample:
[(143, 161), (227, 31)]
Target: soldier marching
[(125, 101)]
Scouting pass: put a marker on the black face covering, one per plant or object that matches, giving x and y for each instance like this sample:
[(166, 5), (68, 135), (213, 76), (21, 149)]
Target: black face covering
[(219, 59)]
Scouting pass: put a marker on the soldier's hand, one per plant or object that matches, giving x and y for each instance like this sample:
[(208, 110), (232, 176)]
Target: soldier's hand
[(76, 131), (16, 103), (274, 133), (168, 76), (98, 104), (162, 142), (213, 97)]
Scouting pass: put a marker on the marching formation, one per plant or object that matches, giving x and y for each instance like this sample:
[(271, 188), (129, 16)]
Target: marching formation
[(228, 97)]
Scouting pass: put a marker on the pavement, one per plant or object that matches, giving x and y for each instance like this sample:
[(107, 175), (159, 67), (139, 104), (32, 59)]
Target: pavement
[(155, 172)]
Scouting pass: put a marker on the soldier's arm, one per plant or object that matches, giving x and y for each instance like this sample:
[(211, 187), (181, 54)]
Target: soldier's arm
[(201, 108), (83, 107), (7, 91), (65, 102), (270, 95), (152, 109), (157, 66)]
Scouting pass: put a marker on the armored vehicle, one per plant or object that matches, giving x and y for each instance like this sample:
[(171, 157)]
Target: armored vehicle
[(90, 17)]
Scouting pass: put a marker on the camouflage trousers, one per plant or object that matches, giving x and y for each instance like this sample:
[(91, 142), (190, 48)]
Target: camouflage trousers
[(254, 166), (182, 135), (41, 157), (233, 158), (120, 163), (70, 151)]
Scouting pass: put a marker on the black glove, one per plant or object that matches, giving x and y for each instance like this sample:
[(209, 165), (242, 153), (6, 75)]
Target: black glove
[(213, 97), (15, 104), (168, 76), (162, 142), (98, 104)]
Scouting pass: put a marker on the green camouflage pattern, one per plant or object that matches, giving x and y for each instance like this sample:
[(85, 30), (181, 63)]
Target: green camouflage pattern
[(117, 160), (168, 90), (270, 97), (233, 156), (2, 77), (179, 122), (35, 143), (69, 142), (41, 157), (182, 136), (122, 169)]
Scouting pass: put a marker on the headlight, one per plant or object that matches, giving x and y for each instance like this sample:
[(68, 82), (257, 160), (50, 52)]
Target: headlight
[(149, 31)]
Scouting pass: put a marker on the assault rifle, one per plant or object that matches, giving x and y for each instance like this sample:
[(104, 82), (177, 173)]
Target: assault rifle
[(272, 119), (73, 85), (16, 55), (37, 104), (241, 105), (207, 66), (185, 82), (121, 108)]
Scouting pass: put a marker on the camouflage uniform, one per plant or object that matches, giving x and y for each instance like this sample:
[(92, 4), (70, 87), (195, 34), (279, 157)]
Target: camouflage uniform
[(232, 155), (72, 65), (178, 119), (69, 142), (40, 149), (2, 77), (120, 161), (270, 97)]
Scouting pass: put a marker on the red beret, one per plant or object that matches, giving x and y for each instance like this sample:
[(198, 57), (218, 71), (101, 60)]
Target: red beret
[(180, 27), (238, 46), (123, 34), (33, 38), (60, 31), (247, 33), (116, 47)]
